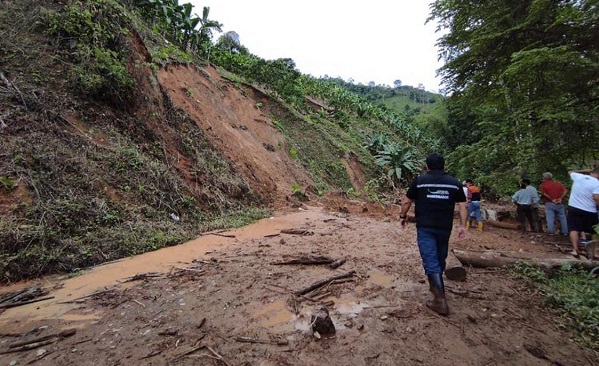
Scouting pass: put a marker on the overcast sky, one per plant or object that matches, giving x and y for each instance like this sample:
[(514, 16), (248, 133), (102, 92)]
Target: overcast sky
[(376, 40)]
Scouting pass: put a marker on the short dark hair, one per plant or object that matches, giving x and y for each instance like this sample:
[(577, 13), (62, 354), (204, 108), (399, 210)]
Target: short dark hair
[(435, 161), (469, 181), (526, 181)]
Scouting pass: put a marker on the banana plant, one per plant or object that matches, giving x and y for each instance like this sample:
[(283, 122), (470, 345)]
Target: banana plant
[(207, 26), (402, 162), (188, 24)]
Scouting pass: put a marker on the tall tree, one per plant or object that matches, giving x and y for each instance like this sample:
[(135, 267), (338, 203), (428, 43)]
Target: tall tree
[(528, 72)]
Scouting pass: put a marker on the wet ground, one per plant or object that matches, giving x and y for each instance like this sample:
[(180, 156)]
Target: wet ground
[(222, 300)]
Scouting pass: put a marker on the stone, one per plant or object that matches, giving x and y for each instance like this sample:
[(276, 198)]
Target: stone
[(321, 321)]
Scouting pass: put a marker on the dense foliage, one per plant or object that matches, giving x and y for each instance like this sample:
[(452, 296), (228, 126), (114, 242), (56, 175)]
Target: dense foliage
[(524, 83)]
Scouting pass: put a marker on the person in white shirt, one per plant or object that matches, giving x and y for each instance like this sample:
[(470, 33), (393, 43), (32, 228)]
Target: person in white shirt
[(582, 206)]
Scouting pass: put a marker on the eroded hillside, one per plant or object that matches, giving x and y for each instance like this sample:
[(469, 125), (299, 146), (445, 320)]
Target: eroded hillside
[(87, 177)]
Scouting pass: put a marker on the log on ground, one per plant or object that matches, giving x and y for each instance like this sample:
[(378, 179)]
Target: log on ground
[(495, 259), (453, 269), (503, 225)]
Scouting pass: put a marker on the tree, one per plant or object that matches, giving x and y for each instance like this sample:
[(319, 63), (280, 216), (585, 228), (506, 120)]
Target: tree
[(526, 75), (230, 42), (397, 84)]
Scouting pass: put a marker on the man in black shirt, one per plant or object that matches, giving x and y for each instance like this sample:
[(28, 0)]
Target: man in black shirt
[(435, 194)]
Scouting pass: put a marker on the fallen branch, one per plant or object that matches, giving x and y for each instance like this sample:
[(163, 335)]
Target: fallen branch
[(323, 283), (86, 296), (278, 342), (64, 334), (29, 347), (494, 259), (219, 357), (503, 225), (39, 342), (306, 260), (195, 349), (223, 235), (20, 303), (12, 86), (142, 276), (27, 294), (219, 233), (338, 263)]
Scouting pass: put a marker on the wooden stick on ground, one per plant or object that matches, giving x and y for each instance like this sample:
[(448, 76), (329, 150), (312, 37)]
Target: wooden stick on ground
[(86, 296), (338, 263), (15, 304), (278, 342), (64, 334), (29, 347), (306, 260), (188, 353), (324, 282), (223, 235), (219, 357)]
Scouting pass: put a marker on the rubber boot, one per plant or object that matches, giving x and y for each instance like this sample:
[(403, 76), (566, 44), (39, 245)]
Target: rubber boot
[(480, 226), (439, 303)]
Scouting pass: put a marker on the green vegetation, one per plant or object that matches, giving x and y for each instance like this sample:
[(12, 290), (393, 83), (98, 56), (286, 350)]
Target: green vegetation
[(523, 78), (575, 295), (95, 33)]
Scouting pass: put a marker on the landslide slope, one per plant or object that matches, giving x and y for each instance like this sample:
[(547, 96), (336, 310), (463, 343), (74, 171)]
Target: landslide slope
[(88, 176)]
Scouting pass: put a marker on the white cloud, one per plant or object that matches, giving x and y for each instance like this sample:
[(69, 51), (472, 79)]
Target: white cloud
[(377, 40)]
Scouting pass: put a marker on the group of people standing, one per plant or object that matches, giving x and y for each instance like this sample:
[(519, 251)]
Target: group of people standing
[(582, 213), (436, 194)]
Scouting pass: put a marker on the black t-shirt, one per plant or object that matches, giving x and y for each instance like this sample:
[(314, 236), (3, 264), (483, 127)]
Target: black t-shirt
[(435, 195)]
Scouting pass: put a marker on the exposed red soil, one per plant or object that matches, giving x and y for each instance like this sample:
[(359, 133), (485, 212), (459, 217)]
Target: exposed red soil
[(232, 119)]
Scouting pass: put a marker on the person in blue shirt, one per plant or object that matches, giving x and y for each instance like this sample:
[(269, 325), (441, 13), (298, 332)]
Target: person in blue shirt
[(524, 200)]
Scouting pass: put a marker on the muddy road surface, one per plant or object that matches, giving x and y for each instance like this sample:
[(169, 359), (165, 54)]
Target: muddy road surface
[(226, 299)]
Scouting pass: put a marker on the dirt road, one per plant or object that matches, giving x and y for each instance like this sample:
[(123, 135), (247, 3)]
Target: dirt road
[(220, 300)]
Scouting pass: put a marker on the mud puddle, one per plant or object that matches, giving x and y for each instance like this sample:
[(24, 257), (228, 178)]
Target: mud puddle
[(108, 275)]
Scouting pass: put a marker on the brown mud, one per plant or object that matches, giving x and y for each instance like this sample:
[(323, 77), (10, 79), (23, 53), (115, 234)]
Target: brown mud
[(220, 300)]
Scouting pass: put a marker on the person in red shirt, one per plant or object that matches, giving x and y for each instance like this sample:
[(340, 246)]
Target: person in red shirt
[(553, 193)]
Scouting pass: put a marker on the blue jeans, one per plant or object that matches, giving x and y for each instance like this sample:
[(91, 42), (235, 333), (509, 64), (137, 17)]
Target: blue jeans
[(474, 210), (433, 245), (551, 211)]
